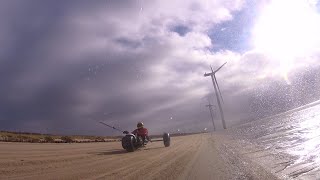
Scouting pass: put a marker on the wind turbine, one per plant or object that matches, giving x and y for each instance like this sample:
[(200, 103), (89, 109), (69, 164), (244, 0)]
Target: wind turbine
[(210, 109), (217, 91)]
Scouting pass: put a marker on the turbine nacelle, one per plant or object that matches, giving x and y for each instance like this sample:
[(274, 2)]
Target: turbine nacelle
[(214, 72)]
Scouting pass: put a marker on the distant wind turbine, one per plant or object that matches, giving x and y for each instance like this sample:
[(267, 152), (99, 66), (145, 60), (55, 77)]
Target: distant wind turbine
[(211, 114)]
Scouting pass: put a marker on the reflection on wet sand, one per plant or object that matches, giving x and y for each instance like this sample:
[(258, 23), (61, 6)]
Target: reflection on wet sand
[(295, 135)]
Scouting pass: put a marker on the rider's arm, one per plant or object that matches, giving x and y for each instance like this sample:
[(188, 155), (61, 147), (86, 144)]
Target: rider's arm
[(135, 131)]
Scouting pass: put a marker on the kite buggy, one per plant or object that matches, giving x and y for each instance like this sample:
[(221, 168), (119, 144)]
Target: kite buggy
[(138, 138)]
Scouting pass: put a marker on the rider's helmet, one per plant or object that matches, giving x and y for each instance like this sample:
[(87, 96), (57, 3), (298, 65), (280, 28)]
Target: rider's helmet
[(140, 125)]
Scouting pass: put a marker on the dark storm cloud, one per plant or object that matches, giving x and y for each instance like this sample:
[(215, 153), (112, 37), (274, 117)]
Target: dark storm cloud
[(37, 84), (45, 83)]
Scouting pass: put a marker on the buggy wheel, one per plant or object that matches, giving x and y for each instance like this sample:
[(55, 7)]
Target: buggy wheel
[(128, 143), (166, 139)]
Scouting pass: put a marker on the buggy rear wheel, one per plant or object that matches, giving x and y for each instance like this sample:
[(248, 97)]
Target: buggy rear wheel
[(128, 143), (166, 139)]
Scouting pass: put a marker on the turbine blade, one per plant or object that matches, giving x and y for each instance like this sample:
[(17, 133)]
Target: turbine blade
[(215, 79), (219, 67)]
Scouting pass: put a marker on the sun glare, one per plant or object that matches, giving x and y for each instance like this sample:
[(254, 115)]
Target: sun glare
[(287, 30)]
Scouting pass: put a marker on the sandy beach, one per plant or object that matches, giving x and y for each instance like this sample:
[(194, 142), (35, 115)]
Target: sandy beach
[(189, 157)]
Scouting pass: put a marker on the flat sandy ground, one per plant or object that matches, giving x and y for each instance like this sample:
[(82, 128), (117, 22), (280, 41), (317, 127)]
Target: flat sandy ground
[(189, 157)]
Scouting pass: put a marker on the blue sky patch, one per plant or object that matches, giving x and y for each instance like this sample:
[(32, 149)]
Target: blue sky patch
[(235, 34), (180, 29)]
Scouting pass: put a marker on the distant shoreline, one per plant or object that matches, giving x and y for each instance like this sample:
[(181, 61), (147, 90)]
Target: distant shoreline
[(26, 137), (8, 136)]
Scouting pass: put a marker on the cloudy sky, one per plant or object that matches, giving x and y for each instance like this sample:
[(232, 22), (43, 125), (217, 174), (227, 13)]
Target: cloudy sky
[(66, 65)]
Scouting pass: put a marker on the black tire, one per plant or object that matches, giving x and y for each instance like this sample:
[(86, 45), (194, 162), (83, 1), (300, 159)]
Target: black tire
[(128, 143), (123, 143), (166, 139)]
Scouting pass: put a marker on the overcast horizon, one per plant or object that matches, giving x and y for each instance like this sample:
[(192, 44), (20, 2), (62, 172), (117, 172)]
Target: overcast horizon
[(66, 65)]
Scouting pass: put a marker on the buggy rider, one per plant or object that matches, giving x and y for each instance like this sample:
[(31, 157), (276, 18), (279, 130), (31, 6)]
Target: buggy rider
[(141, 131)]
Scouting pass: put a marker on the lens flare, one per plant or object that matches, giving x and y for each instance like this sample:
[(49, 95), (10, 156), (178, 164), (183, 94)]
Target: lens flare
[(287, 30)]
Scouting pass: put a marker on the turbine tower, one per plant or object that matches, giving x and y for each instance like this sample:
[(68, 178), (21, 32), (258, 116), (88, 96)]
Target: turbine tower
[(217, 91), (210, 109)]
